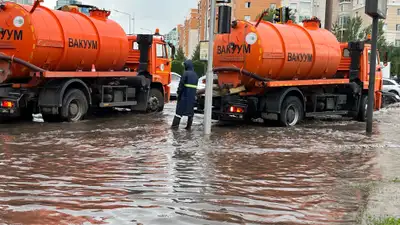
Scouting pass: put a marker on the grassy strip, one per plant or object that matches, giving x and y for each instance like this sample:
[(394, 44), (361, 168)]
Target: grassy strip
[(383, 221)]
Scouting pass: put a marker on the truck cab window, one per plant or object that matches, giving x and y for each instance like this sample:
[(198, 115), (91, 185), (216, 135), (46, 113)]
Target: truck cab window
[(161, 51), (369, 57), (135, 46), (346, 52)]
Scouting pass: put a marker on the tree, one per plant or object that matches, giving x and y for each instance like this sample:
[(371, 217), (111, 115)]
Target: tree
[(381, 42), (180, 55), (394, 58), (351, 31), (268, 17), (177, 67), (196, 53)]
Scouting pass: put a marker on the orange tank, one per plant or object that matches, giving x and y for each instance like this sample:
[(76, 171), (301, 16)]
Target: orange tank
[(61, 40), (277, 52)]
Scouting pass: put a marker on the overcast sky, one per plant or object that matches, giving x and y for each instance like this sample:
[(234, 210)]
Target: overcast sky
[(149, 14)]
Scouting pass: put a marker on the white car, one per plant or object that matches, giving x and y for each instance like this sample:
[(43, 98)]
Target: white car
[(202, 82), (175, 79), (390, 85)]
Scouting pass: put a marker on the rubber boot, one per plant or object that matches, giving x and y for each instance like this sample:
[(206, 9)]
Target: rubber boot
[(176, 122), (189, 123)]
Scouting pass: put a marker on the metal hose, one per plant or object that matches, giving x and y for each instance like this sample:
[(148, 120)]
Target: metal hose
[(22, 62), (245, 72)]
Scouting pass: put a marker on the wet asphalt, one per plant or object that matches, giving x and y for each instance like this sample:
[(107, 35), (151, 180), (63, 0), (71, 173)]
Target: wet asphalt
[(133, 169)]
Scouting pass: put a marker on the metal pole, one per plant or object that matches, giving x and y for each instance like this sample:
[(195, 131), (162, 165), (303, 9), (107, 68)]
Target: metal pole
[(133, 21), (328, 15), (130, 24), (210, 73), (372, 70)]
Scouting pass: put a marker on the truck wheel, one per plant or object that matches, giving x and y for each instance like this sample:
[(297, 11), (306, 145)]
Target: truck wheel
[(156, 101), (75, 106), (362, 112), (291, 112)]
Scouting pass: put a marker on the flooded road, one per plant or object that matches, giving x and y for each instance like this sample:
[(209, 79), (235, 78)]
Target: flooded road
[(133, 169)]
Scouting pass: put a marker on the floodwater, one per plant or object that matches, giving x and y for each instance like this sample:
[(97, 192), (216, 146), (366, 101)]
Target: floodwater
[(133, 169)]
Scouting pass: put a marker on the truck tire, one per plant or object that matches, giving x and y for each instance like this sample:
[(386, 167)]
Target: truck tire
[(362, 111), (292, 112), (75, 106), (156, 101)]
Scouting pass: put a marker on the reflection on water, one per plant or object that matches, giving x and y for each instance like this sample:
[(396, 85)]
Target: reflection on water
[(133, 169)]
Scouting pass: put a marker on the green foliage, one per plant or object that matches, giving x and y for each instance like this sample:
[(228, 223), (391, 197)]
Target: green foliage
[(177, 67), (180, 55), (200, 68), (384, 221), (382, 45), (351, 31), (394, 58), (196, 53), (268, 17)]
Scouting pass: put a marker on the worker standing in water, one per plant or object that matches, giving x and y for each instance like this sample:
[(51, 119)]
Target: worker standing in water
[(186, 96)]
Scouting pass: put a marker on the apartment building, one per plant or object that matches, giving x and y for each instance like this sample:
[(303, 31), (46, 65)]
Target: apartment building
[(181, 36), (204, 19), (173, 37), (250, 9), (189, 33), (392, 21)]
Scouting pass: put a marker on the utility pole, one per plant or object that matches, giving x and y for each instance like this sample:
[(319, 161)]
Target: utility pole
[(377, 10), (130, 19), (371, 87), (328, 15), (210, 73)]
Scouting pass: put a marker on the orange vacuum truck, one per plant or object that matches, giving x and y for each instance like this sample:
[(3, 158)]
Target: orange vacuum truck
[(65, 64), (285, 72)]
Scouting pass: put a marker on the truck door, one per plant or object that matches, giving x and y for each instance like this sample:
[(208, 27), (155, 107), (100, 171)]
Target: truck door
[(378, 79), (163, 64)]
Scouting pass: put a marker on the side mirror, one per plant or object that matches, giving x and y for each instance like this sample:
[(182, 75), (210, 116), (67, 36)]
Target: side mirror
[(173, 51)]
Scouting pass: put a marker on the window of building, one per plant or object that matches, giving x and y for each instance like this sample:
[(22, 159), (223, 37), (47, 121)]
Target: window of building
[(247, 5), (161, 51), (247, 18), (341, 8), (305, 6), (398, 12), (272, 6), (398, 27), (397, 43)]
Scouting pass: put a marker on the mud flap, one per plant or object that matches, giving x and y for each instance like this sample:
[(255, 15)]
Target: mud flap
[(142, 96)]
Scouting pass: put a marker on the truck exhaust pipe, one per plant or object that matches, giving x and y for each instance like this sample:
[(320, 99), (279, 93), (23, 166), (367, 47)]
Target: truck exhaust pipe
[(224, 16), (144, 42)]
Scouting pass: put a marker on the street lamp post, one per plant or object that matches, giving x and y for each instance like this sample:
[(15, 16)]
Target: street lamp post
[(210, 73), (130, 19)]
